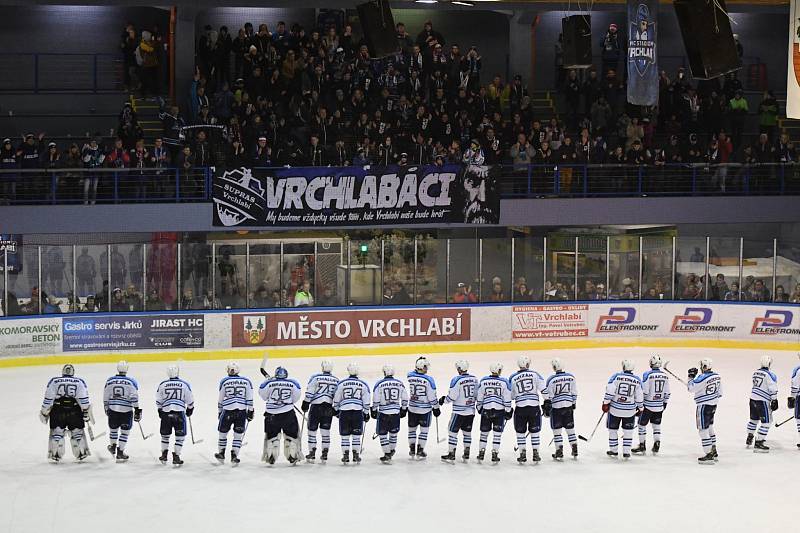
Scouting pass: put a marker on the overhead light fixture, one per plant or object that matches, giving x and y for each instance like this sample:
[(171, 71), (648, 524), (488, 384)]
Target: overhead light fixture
[(426, 1), (463, 3)]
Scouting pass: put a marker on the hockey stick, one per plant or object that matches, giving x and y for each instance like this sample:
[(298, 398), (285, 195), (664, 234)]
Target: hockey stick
[(144, 437), (594, 430), (438, 440), (191, 432), (90, 431), (526, 438), (779, 424), (263, 366), (671, 373)]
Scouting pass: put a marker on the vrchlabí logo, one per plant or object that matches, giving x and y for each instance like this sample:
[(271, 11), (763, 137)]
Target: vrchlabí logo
[(774, 322), (621, 319), (696, 319)]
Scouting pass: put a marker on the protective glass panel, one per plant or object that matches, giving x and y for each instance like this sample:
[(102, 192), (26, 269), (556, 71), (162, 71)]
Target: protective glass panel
[(126, 277), (364, 284), (327, 269), (57, 277), (787, 279), (196, 274), (162, 273), (624, 268), (723, 269), (757, 270), (592, 268), (91, 275), (656, 268), (430, 270), (297, 275), (263, 279), (496, 270), (229, 281), (528, 269), (560, 284), (398, 269), (464, 285), (690, 266)]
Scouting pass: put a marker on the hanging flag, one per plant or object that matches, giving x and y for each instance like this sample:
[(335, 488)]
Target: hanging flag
[(793, 72), (642, 63)]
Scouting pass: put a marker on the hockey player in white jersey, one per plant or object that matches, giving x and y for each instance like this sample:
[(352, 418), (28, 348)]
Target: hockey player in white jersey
[(66, 406), (175, 402), (493, 401), (389, 405), (422, 402), (763, 400), (561, 396), (121, 404), (234, 410), (623, 400), (351, 403), (526, 385), (462, 394), (318, 403), (793, 401), (707, 390), (655, 385), (281, 393)]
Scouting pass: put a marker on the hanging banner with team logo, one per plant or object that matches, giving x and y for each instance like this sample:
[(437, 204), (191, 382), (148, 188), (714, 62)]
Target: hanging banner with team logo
[(11, 248), (356, 196), (642, 58), (793, 72)]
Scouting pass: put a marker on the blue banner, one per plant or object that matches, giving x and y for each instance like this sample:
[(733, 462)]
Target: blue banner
[(132, 332), (11, 246), (642, 52)]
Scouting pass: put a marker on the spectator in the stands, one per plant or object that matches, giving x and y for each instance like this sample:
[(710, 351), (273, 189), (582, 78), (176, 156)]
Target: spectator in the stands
[(738, 109), (154, 301), (147, 58), (464, 294), (261, 298), (733, 293), (89, 306), (93, 159), (768, 115), (759, 292), (303, 296), (611, 49), (780, 294), (522, 153), (133, 300), (720, 287), (127, 45), (795, 296)]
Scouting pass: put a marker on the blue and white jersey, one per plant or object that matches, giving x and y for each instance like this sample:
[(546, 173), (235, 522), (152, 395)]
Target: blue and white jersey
[(389, 396), (707, 388), (174, 395), (280, 394), (66, 387), (121, 394), (526, 385), (321, 388), (796, 381), (494, 393), (235, 393), (462, 394), (624, 394), (561, 389), (765, 385), (422, 393), (352, 394), (655, 384)]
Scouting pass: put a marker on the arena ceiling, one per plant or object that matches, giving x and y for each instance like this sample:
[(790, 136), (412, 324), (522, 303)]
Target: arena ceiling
[(735, 5)]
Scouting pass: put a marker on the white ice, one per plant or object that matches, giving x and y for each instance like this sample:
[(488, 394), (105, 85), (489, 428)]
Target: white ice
[(669, 492)]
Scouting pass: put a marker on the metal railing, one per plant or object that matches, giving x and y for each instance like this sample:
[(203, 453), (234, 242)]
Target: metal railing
[(72, 186), (53, 72), (393, 269)]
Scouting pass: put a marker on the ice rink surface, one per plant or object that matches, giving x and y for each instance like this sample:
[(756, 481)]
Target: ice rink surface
[(665, 493)]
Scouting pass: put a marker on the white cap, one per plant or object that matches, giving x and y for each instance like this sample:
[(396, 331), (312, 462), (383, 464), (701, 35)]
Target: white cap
[(388, 370), (122, 367), (496, 368), (326, 365), (627, 365), (352, 369), (172, 371), (523, 361)]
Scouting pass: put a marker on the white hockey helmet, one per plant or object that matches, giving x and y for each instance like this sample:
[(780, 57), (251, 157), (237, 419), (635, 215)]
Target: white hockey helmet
[(422, 365), (233, 368), (388, 370), (122, 367), (172, 371), (352, 369), (627, 365), (327, 366), (496, 368), (68, 370), (705, 364), (557, 365), (655, 361), (523, 361), (462, 366), (766, 361)]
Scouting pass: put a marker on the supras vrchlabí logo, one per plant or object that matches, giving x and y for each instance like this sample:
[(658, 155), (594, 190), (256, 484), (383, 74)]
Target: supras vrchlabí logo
[(238, 197), (696, 319), (774, 322), (621, 319)]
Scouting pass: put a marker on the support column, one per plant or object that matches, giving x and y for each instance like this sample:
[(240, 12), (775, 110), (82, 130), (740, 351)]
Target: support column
[(184, 47)]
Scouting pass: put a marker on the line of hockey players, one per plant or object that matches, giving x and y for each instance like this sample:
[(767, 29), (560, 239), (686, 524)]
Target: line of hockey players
[(525, 397)]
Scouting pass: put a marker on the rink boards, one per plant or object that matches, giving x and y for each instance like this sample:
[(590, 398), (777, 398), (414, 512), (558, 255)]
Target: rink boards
[(200, 335)]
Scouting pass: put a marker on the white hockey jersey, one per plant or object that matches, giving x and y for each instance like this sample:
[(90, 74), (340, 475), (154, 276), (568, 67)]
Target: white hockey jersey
[(526, 385), (389, 396), (422, 393), (235, 393), (493, 393), (462, 394), (624, 394), (707, 388), (561, 389), (321, 388), (655, 385), (121, 394), (174, 395), (352, 394), (66, 387), (765, 385), (280, 394), (796, 381)]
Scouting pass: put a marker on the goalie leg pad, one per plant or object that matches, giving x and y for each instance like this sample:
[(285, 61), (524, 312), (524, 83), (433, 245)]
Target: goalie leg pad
[(291, 450)]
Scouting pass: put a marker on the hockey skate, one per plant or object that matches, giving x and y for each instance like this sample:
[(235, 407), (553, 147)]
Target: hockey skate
[(163, 457), (412, 450), (575, 450), (760, 447), (613, 454), (356, 457), (122, 456), (535, 457), (714, 452), (386, 459), (656, 446), (626, 457), (311, 456), (220, 456), (421, 455), (346, 456), (749, 440), (235, 459), (176, 459), (57, 458), (465, 456), (481, 455), (450, 457), (324, 455), (112, 449), (641, 449), (522, 458), (707, 459), (559, 455), (495, 457)]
